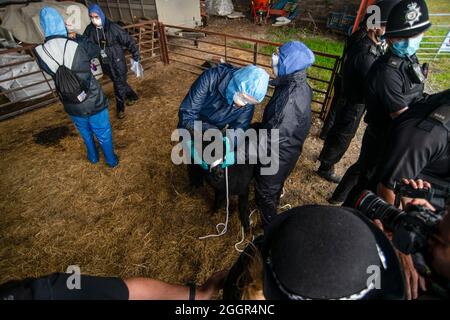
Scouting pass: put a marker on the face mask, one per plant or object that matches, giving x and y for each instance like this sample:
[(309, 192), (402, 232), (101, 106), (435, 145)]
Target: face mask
[(275, 62), (240, 100), (407, 47), (96, 22)]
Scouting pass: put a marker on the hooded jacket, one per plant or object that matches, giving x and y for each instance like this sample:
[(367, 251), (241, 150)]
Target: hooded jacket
[(289, 112), (116, 39), (77, 57), (210, 99)]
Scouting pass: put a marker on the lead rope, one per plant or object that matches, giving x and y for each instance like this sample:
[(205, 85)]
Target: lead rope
[(221, 225), (236, 245)]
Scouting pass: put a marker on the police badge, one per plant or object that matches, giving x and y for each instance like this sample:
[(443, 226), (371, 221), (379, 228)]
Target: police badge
[(412, 14)]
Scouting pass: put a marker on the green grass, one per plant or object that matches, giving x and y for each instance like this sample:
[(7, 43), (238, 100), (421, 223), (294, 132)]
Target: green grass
[(439, 78), (316, 42)]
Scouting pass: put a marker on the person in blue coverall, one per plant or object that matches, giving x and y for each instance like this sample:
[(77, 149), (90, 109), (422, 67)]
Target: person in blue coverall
[(224, 96), (91, 114), (289, 112)]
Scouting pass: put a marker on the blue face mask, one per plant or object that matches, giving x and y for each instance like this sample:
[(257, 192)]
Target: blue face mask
[(407, 47)]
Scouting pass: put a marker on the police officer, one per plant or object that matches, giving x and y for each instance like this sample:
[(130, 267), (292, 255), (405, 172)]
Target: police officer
[(364, 47), (297, 259), (427, 158), (394, 84), (111, 39)]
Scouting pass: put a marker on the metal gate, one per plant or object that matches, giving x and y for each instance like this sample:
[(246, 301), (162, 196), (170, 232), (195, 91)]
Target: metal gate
[(436, 41), (23, 75), (189, 49), (185, 52)]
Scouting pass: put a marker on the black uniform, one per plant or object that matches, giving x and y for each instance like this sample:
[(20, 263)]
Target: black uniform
[(112, 39), (361, 54), (419, 147), (338, 97), (389, 88)]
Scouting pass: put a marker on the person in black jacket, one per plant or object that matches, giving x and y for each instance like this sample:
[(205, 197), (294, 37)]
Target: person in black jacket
[(91, 115), (394, 84), (111, 39), (364, 47), (289, 112)]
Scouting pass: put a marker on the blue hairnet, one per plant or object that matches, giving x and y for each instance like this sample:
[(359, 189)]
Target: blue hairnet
[(52, 22), (294, 56), (95, 8), (250, 80)]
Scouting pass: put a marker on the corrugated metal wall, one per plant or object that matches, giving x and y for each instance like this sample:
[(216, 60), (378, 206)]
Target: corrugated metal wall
[(128, 10)]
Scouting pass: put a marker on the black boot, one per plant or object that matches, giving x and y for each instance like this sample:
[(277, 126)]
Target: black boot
[(120, 111), (120, 114), (328, 174), (132, 97)]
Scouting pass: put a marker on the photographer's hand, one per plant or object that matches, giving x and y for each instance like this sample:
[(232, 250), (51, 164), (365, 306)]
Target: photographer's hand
[(417, 184), (412, 278)]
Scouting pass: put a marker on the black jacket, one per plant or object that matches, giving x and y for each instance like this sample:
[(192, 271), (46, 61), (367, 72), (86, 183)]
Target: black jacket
[(359, 58), (79, 53), (289, 111), (116, 40)]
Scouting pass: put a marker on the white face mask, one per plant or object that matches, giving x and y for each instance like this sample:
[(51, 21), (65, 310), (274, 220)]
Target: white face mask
[(240, 100), (275, 61), (96, 22), (237, 99)]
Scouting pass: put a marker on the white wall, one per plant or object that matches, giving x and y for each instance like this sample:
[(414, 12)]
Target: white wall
[(184, 13)]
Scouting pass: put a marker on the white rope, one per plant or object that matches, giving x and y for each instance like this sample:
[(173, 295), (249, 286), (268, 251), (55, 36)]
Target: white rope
[(286, 207), (243, 234), (221, 225)]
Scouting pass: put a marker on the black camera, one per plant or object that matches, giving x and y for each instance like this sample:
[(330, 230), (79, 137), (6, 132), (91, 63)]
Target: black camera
[(411, 229)]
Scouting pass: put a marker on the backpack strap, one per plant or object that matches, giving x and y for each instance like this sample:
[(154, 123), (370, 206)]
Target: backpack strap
[(64, 52), (48, 53)]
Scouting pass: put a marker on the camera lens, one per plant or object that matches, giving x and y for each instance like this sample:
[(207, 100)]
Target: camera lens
[(375, 208)]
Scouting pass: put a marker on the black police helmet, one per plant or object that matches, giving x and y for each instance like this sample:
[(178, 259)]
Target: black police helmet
[(385, 9), (407, 19), (325, 252)]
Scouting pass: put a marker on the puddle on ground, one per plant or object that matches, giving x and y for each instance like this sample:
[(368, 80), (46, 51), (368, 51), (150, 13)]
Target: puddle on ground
[(52, 136)]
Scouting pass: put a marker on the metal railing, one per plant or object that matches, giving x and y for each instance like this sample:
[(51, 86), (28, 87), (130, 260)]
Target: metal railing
[(27, 76), (434, 38), (190, 54), (186, 53)]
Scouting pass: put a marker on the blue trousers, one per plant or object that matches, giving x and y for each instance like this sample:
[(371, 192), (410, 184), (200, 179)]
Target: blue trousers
[(97, 125)]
